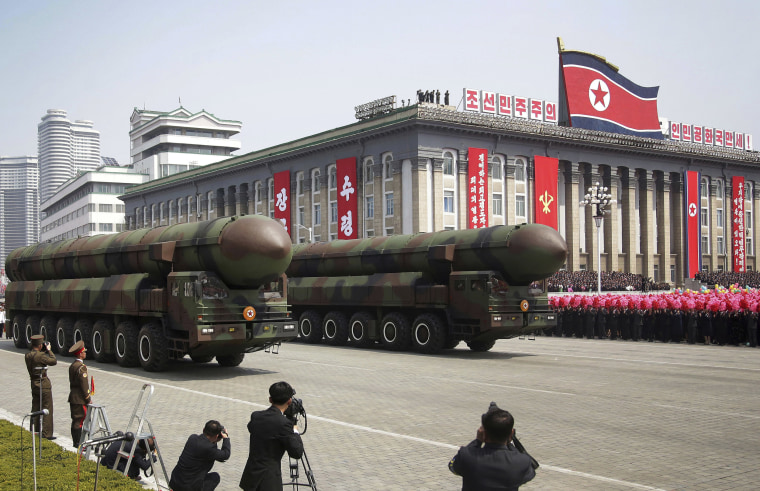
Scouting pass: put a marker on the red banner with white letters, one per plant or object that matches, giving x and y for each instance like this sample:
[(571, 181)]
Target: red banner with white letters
[(477, 188), (545, 203), (282, 198), (693, 232), (737, 218), (347, 201)]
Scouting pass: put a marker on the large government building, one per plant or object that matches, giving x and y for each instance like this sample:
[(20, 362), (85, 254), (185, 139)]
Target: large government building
[(413, 174)]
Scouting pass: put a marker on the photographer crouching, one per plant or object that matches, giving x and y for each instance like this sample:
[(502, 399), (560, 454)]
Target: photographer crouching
[(272, 434), (495, 460)]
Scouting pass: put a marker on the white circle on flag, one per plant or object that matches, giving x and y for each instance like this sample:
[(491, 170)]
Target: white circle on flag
[(692, 209), (599, 95)]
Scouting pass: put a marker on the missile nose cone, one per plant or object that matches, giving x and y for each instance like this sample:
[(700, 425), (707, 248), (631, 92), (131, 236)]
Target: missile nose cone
[(266, 238), (541, 247)]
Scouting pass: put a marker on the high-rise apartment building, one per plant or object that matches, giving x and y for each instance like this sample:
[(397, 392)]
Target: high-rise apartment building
[(165, 143), (65, 148), (19, 204)]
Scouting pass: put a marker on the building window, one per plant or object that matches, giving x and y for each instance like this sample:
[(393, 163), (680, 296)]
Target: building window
[(496, 169), (703, 217), (448, 164), (520, 206), (497, 208), (389, 204), (448, 201), (317, 215), (105, 208), (333, 177), (369, 173), (721, 245), (299, 183), (719, 218), (370, 206), (334, 212), (257, 192), (315, 185), (301, 214), (270, 189), (105, 227), (387, 173), (656, 273), (705, 244), (519, 171), (673, 273)]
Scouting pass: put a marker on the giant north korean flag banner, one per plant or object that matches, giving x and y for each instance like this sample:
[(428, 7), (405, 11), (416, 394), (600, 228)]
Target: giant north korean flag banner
[(477, 188), (737, 218), (282, 198), (594, 96), (693, 228), (546, 190), (347, 201)]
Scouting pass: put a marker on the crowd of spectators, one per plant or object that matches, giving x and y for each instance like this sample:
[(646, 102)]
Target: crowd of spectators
[(612, 281), (728, 278)]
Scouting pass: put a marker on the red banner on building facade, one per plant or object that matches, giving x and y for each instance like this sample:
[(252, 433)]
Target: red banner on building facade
[(546, 191), (477, 187), (693, 229), (737, 212), (347, 201), (282, 198)]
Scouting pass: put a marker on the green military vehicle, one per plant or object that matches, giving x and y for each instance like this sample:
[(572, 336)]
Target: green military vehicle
[(207, 289), (426, 291)]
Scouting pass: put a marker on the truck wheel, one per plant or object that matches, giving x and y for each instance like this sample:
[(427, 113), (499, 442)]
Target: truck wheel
[(395, 333), (102, 336), (31, 328), (83, 332), (481, 346), (335, 327), (428, 335), (47, 328), (310, 327), (201, 359), (125, 344), (230, 360), (19, 331), (151, 347), (359, 330), (64, 335)]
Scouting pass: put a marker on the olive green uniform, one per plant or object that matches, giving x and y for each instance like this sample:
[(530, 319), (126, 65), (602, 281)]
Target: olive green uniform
[(79, 397), (41, 399)]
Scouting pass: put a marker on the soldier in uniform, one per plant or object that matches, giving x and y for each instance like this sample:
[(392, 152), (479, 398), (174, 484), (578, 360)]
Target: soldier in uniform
[(79, 394), (37, 360)]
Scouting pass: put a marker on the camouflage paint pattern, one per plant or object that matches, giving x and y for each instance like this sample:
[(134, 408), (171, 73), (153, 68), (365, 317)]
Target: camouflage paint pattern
[(199, 280), (475, 282)]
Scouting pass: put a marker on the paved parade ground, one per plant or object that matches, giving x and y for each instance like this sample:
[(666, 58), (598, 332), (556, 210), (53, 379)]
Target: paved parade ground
[(597, 414)]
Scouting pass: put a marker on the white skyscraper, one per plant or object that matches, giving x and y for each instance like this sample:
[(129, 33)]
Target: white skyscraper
[(65, 148), (19, 206)]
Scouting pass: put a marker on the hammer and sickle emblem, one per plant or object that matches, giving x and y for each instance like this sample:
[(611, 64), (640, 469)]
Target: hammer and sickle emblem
[(546, 199)]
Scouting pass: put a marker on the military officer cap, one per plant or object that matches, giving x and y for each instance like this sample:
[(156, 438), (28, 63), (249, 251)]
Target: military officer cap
[(37, 339), (77, 348)]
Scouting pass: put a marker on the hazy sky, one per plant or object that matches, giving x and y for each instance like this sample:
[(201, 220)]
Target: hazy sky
[(289, 69)]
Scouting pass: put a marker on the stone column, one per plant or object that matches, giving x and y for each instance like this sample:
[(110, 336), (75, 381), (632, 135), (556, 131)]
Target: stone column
[(611, 221), (662, 221), (647, 219), (629, 218)]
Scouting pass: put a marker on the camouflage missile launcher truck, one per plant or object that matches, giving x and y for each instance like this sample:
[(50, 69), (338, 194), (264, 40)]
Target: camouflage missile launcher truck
[(207, 289), (425, 291)]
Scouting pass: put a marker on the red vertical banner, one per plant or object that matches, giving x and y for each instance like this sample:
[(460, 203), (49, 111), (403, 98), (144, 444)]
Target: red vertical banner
[(547, 169), (347, 200), (282, 198), (693, 229), (737, 212), (477, 187)]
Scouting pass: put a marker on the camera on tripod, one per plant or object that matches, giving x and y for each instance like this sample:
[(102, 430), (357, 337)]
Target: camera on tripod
[(295, 410)]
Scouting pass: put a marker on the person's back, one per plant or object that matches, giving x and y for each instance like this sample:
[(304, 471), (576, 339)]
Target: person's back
[(192, 470), (492, 467)]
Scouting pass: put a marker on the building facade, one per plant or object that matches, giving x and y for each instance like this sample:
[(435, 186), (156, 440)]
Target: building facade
[(19, 204), (64, 148), (165, 143), (88, 204), (412, 170)]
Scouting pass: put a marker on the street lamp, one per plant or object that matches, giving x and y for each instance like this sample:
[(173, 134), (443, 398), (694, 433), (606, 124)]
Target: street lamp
[(598, 196), (308, 229)]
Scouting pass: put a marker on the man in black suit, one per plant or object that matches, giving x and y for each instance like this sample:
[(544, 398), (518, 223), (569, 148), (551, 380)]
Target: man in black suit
[(192, 470), (272, 434), (491, 461)]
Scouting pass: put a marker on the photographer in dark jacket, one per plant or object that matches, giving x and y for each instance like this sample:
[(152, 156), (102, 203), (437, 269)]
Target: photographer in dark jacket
[(491, 462), (192, 470), (140, 459), (272, 434)]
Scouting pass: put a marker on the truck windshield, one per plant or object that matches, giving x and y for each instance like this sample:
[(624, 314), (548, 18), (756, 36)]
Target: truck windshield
[(213, 288), (498, 286)]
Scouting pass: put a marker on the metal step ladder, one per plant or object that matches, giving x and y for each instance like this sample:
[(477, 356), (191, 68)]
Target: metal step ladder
[(143, 432), (95, 425)]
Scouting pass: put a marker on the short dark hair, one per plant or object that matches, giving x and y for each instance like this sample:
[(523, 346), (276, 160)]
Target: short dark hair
[(213, 428), (280, 392), (498, 425)]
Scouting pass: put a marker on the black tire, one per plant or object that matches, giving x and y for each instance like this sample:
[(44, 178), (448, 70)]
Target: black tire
[(310, 327), (151, 347), (64, 335), (47, 328), (31, 328), (428, 334), (83, 332), (358, 330), (18, 328), (335, 328), (481, 346), (395, 332), (201, 359), (230, 360), (101, 341), (125, 344)]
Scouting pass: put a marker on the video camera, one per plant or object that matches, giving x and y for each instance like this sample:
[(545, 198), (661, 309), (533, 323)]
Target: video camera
[(533, 462), (294, 410)]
